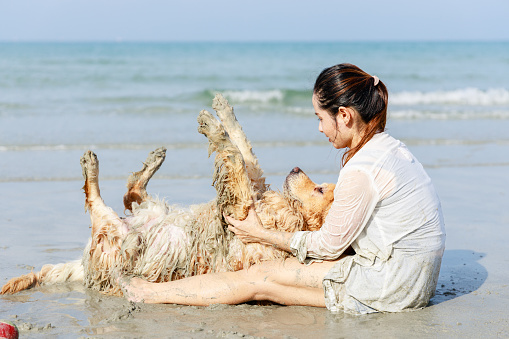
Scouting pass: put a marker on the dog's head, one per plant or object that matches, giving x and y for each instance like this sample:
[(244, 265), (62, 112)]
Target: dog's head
[(315, 200)]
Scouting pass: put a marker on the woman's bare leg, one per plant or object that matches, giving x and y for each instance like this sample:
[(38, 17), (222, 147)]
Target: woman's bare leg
[(287, 283)]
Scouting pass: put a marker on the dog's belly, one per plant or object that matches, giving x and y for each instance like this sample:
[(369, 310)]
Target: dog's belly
[(157, 238)]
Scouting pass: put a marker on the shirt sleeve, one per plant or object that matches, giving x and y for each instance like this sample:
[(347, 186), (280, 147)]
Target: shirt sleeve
[(355, 199)]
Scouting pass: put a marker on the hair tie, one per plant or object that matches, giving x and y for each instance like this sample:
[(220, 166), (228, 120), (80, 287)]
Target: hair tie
[(376, 79)]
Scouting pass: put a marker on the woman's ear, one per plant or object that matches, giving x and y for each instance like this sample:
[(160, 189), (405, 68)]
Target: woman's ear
[(344, 116)]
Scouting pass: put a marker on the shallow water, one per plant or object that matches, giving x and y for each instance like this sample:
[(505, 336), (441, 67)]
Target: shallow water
[(470, 300)]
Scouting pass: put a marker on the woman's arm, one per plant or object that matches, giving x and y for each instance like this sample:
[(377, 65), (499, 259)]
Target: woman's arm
[(355, 199), (251, 230)]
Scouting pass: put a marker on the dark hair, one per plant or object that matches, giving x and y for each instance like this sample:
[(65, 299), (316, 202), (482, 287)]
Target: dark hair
[(349, 86)]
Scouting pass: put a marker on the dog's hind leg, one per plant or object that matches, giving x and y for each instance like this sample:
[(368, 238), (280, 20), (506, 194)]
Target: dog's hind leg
[(100, 214), (108, 230), (101, 252), (238, 137), (137, 182), (235, 192), (49, 274)]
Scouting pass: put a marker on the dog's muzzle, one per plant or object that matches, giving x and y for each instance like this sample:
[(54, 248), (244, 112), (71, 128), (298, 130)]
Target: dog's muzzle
[(290, 178)]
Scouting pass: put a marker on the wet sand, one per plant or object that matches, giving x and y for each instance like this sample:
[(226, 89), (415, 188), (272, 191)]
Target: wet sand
[(44, 222)]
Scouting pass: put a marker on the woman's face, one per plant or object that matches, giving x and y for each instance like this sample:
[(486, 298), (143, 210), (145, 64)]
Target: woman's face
[(333, 128)]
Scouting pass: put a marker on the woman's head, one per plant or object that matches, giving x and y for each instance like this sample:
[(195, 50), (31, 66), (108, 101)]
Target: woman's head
[(345, 87)]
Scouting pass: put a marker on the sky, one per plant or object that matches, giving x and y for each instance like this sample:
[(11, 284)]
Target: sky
[(253, 20)]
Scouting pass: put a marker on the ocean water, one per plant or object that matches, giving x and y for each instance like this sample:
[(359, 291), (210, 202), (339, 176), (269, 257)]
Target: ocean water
[(449, 102), (123, 99)]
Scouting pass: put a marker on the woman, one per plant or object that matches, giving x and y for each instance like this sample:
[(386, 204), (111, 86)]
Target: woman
[(385, 208)]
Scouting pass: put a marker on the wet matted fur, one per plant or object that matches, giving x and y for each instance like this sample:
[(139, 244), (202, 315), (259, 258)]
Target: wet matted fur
[(161, 242)]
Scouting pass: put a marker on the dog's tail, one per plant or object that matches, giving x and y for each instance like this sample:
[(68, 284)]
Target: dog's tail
[(49, 274)]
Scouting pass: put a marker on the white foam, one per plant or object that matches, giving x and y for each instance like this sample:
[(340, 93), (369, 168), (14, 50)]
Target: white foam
[(254, 96), (466, 96)]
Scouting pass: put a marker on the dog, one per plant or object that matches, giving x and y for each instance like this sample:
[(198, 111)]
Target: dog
[(160, 242)]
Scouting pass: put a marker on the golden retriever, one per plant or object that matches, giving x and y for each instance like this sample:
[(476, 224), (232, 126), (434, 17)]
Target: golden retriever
[(161, 242)]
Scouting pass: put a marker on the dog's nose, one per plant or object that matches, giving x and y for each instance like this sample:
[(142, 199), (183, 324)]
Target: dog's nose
[(295, 170)]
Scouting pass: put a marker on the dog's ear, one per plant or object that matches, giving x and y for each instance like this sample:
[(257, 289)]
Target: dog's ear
[(278, 212), (314, 221)]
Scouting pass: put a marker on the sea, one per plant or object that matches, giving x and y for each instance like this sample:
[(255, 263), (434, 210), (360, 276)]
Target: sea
[(122, 99), (448, 102)]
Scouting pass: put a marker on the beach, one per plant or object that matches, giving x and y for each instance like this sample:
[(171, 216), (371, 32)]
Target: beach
[(124, 100)]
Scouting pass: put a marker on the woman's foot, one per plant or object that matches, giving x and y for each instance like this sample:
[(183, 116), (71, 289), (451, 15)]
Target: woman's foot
[(134, 289)]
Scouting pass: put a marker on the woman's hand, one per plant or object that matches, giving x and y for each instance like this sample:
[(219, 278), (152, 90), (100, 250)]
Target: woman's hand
[(251, 230), (247, 230)]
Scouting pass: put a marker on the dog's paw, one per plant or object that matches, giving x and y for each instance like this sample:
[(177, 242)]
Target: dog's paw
[(221, 106), (155, 158), (207, 124), (89, 165)]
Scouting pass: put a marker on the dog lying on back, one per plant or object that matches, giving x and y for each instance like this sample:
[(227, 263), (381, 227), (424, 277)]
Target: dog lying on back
[(161, 242)]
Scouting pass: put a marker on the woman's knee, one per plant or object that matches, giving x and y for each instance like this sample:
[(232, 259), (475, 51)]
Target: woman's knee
[(288, 273), (260, 281), (283, 283)]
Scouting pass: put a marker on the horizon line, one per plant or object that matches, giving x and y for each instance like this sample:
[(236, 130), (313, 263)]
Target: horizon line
[(121, 40)]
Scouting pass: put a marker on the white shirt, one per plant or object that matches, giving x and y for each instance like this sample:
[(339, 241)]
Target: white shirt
[(386, 208)]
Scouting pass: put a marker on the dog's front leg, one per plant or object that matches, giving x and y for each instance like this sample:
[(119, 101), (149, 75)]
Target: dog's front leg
[(225, 112), (234, 190)]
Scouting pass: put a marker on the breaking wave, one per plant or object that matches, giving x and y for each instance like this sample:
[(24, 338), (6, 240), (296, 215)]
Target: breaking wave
[(466, 103), (466, 96)]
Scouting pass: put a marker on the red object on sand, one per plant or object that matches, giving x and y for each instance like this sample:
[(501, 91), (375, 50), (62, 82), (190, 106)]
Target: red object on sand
[(8, 330)]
